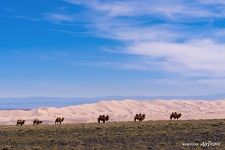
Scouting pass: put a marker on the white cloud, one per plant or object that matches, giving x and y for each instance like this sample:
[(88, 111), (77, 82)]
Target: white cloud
[(170, 45), (58, 17), (171, 9), (205, 56)]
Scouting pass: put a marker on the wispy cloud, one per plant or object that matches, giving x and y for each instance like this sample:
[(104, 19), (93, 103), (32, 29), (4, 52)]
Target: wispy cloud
[(171, 9), (71, 32), (174, 36), (200, 56), (17, 14), (27, 18), (57, 17)]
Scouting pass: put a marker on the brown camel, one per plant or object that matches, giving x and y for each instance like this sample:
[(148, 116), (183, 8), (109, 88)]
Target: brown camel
[(175, 115), (136, 117), (59, 120), (103, 118), (139, 117), (20, 122), (37, 122)]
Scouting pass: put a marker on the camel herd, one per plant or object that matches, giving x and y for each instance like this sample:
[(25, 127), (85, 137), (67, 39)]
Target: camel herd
[(36, 122), (139, 117), (103, 118), (175, 115)]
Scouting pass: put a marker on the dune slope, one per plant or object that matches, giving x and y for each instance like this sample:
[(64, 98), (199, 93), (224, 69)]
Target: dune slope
[(120, 111)]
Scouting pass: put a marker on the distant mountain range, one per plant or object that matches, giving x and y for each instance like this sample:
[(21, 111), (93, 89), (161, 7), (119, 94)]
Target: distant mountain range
[(34, 102)]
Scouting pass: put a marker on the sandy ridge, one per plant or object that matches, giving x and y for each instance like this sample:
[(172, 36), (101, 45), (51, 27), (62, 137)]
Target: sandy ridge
[(120, 111)]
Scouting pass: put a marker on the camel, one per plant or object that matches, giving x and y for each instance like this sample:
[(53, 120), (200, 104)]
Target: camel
[(59, 120), (139, 117), (175, 115), (103, 118), (20, 122), (37, 122), (136, 117)]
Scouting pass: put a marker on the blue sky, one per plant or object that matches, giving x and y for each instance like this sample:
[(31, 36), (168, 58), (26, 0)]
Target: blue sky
[(101, 47)]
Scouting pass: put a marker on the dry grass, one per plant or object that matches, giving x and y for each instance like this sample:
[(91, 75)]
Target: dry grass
[(115, 135)]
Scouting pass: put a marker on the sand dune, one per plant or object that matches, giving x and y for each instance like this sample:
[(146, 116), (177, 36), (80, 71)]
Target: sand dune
[(120, 111)]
